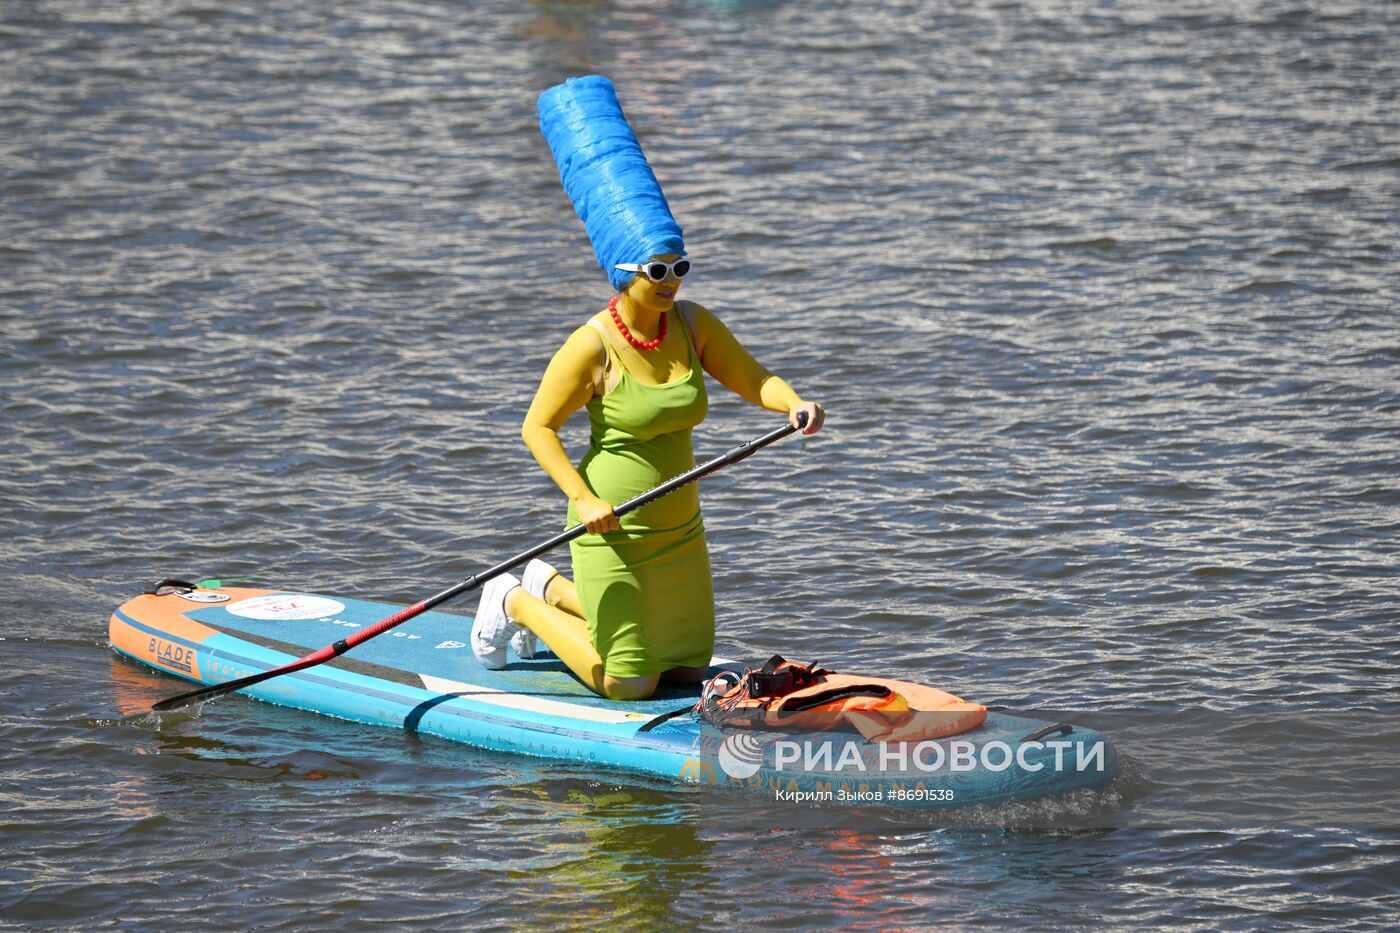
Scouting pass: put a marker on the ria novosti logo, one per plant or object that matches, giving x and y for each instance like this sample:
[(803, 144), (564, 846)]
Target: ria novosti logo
[(741, 755)]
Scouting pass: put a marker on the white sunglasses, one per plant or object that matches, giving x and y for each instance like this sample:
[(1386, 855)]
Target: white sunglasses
[(656, 270)]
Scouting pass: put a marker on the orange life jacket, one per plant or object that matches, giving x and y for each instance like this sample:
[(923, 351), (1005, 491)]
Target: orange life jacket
[(806, 698)]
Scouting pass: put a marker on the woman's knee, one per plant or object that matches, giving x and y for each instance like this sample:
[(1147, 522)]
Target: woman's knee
[(629, 688)]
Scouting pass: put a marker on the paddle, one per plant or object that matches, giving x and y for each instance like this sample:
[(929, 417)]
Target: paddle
[(470, 583)]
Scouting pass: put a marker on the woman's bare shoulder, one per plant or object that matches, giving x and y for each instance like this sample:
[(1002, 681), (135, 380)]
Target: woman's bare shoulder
[(580, 358), (586, 341), (700, 318), (694, 309)]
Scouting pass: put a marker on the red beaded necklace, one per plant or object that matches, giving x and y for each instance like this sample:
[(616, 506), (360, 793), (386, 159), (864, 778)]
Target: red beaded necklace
[(622, 329)]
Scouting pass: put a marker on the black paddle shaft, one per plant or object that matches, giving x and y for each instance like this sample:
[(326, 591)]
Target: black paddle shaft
[(320, 656)]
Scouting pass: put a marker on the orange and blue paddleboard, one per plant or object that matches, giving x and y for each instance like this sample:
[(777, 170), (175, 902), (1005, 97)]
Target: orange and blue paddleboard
[(423, 676)]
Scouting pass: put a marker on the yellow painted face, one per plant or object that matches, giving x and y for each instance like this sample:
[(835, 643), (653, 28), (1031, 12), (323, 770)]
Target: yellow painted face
[(658, 296)]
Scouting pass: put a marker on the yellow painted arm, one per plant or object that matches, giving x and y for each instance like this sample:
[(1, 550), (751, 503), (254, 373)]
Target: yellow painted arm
[(566, 387), (724, 358)]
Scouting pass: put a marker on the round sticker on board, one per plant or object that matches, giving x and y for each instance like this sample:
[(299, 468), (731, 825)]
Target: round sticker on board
[(293, 607)]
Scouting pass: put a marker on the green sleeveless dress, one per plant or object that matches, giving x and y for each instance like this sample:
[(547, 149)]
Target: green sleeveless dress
[(646, 590)]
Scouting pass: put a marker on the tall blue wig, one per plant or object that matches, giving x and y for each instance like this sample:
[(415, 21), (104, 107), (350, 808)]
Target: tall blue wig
[(606, 175)]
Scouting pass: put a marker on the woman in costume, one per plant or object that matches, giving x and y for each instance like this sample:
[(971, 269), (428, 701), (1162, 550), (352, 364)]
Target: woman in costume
[(641, 606)]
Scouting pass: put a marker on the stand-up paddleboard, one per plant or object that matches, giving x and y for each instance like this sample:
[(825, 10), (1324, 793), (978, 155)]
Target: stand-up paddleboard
[(423, 676)]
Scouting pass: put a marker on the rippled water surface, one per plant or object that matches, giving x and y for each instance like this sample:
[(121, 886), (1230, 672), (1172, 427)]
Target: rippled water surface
[(1100, 298)]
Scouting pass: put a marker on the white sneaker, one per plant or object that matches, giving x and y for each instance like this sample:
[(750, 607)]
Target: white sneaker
[(534, 580), (492, 628), (536, 577), (524, 643)]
